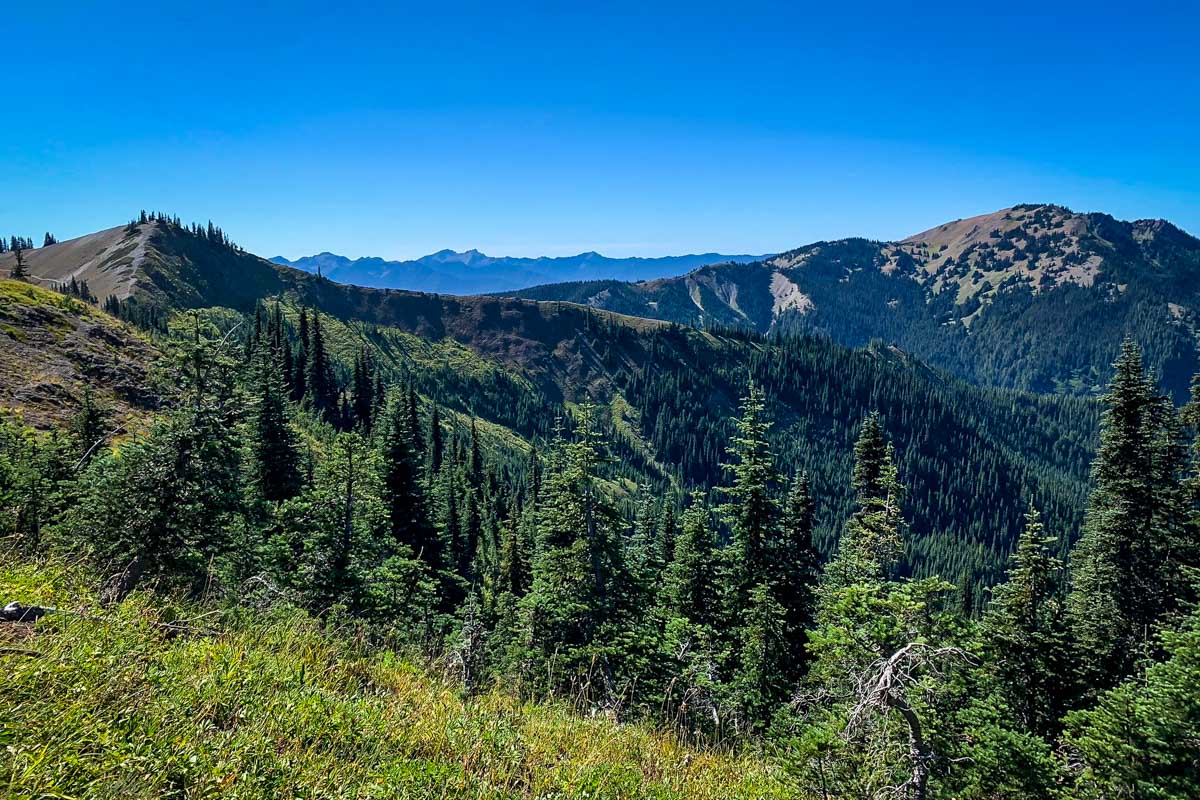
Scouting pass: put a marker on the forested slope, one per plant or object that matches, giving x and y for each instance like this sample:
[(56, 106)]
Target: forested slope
[(1034, 297), (667, 392)]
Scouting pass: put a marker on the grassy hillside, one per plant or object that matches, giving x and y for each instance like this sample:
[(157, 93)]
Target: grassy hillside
[(53, 346), (118, 702)]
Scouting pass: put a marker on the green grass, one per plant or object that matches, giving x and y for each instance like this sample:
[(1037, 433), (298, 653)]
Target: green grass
[(26, 294), (273, 706)]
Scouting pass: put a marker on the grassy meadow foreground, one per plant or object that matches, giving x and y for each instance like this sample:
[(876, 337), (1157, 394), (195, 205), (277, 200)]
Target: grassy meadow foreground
[(110, 703)]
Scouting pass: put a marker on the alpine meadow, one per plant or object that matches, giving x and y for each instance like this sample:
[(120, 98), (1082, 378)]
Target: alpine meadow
[(904, 507)]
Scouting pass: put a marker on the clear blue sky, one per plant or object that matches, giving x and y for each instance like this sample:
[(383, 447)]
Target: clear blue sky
[(628, 128)]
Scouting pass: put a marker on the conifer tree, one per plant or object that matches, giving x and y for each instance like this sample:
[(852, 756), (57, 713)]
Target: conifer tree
[(319, 380), (472, 535), (18, 271), (436, 443), (1024, 632), (1125, 568), (763, 680), (752, 511), (475, 459), (403, 495), (451, 514), (872, 542), (513, 563), (578, 561), (274, 458), (88, 428), (1139, 740), (363, 384), (691, 580), (378, 398), (166, 507), (645, 550), (795, 572), (343, 531), (668, 532), (413, 411), (300, 364)]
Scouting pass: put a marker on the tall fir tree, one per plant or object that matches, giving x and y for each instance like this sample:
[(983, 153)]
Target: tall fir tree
[(872, 542), (690, 584), (18, 271), (437, 444), (1024, 633), (320, 383), (1126, 571), (274, 457), (300, 361), (752, 511), (573, 596), (795, 572), (363, 387), (403, 492)]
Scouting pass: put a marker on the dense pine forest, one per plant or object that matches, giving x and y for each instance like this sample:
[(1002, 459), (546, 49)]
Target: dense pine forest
[(819, 572)]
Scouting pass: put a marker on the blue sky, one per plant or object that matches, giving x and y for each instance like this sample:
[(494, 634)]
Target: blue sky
[(627, 128)]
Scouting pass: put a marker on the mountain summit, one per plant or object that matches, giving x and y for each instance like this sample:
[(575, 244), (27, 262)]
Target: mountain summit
[(1036, 297)]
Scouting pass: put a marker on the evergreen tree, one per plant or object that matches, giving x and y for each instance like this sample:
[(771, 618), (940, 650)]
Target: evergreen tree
[(645, 549), (573, 594), (436, 442), (668, 532), (1024, 633), (871, 545), (513, 566), (300, 364), (319, 381), (166, 506), (762, 682), (451, 518), (475, 459), (1139, 740), (403, 494), (691, 581), (274, 458), (1126, 572), (341, 523), (413, 411), (363, 383), (796, 569), (18, 271), (89, 427), (752, 511)]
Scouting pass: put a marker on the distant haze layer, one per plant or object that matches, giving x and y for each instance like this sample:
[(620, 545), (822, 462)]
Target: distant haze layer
[(473, 272)]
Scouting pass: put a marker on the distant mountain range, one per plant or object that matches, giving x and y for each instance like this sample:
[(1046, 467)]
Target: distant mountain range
[(1034, 297), (473, 272)]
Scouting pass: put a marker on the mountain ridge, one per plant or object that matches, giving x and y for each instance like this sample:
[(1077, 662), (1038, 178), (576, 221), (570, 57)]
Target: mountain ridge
[(667, 392), (1035, 297), (473, 272)]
